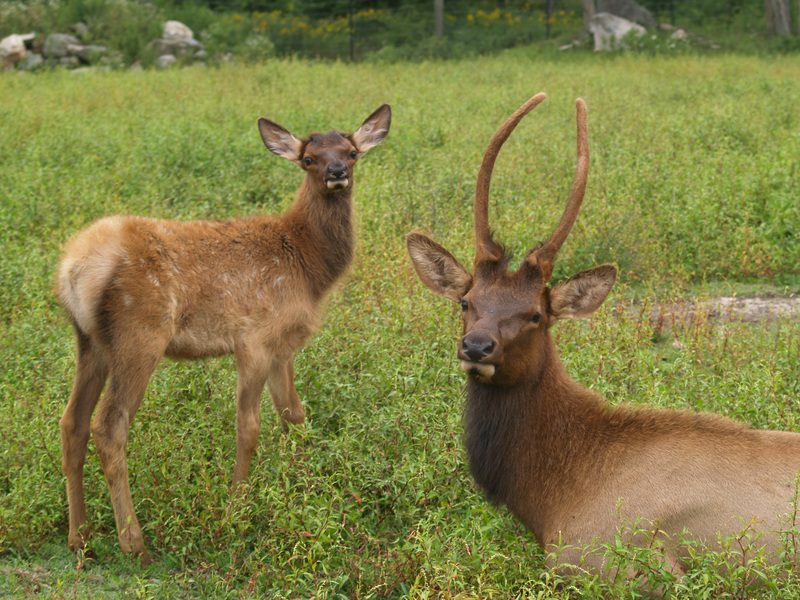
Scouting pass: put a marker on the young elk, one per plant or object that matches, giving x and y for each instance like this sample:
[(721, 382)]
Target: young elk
[(137, 289), (572, 468)]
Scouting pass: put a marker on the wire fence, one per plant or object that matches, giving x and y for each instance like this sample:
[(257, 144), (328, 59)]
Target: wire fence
[(353, 29)]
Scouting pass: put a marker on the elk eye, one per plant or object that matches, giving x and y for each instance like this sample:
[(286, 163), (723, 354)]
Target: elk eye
[(536, 318), (464, 305), (308, 161), (353, 154)]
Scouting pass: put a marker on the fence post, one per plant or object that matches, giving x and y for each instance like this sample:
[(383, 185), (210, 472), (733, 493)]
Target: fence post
[(352, 29), (438, 17), (549, 16)]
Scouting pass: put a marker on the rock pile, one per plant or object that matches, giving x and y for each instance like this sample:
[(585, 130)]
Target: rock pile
[(177, 43), (67, 50), (27, 52)]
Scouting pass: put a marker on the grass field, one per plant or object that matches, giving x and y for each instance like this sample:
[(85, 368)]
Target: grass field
[(693, 192)]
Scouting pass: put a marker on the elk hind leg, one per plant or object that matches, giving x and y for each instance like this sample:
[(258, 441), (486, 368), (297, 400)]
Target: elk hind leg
[(284, 394), (90, 377), (110, 427)]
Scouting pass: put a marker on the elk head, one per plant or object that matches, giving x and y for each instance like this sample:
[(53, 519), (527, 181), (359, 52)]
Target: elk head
[(506, 314), (327, 158)]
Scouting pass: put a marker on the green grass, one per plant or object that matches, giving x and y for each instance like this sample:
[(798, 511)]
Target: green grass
[(694, 188)]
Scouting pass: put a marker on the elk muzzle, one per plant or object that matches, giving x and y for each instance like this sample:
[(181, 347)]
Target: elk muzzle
[(480, 353), (336, 176)]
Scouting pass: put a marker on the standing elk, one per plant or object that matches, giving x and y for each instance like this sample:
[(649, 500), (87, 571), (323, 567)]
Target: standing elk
[(137, 289), (572, 468)]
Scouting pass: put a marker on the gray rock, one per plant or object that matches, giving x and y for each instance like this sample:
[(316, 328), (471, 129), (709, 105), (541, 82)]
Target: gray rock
[(628, 9), (81, 30), (56, 44), (12, 51), (166, 60), (182, 48), (32, 62), (91, 54), (175, 30), (608, 31)]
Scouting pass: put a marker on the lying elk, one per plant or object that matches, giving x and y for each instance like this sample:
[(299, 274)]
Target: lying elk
[(572, 468), (137, 289)]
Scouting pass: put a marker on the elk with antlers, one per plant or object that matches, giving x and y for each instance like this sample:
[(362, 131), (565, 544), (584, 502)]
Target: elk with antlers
[(572, 468), (137, 289)]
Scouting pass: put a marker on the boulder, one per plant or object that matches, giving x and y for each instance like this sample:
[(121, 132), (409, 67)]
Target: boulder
[(57, 45), (12, 51), (32, 62), (91, 54), (181, 48), (165, 60), (81, 30), (175, 30), (608, 31), (630, 10), (177, 43)]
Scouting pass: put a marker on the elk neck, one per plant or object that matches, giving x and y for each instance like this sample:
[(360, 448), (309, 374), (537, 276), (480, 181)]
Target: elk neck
[(525, 441), (324, 223)]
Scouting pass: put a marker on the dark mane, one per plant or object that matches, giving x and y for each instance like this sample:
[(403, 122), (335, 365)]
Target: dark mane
[(490, 426)]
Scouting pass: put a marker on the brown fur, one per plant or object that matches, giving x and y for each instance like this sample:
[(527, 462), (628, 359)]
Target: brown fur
[(137, 289), (573, 469)]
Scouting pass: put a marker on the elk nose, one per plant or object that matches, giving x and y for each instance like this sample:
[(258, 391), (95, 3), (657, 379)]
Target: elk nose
[(477, 348), (337, 170)]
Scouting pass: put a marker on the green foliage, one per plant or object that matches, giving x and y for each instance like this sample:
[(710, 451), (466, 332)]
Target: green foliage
[(385, 31), (693, 187)]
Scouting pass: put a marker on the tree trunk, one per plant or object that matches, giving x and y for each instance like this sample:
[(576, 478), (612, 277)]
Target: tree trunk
[(588, 13), (438, 9), (778, 17)]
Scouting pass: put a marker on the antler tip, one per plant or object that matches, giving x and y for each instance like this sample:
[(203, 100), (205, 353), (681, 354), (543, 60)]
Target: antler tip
[(533, 102)]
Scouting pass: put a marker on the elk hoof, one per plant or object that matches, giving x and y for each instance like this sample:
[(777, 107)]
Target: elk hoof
[(292, 417)]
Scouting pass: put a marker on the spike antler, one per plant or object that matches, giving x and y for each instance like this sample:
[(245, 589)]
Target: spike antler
[(485, 248), (546, 254)]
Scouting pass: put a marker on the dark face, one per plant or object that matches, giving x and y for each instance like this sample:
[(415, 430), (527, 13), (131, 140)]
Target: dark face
[(506, 316), (329, 159), (502, 315)]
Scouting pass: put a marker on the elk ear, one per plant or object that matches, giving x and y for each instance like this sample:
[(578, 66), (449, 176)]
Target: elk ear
[(279, 140), (437, 268), (582, 294), (373, 130)]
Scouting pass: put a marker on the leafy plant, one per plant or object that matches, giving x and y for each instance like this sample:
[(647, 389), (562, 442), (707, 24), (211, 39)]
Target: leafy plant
[(692, 192)]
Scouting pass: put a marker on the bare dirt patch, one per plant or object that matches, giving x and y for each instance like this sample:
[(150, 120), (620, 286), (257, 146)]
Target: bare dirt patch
[(728, 308), (754, 310)]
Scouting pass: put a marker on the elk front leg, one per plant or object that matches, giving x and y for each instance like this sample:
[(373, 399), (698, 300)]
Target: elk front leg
[(253, 369), (110, 427), (284, 395), (90, 377)]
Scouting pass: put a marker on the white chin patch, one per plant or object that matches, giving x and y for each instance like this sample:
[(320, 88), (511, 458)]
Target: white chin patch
[(338, 184), (481, 370)]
